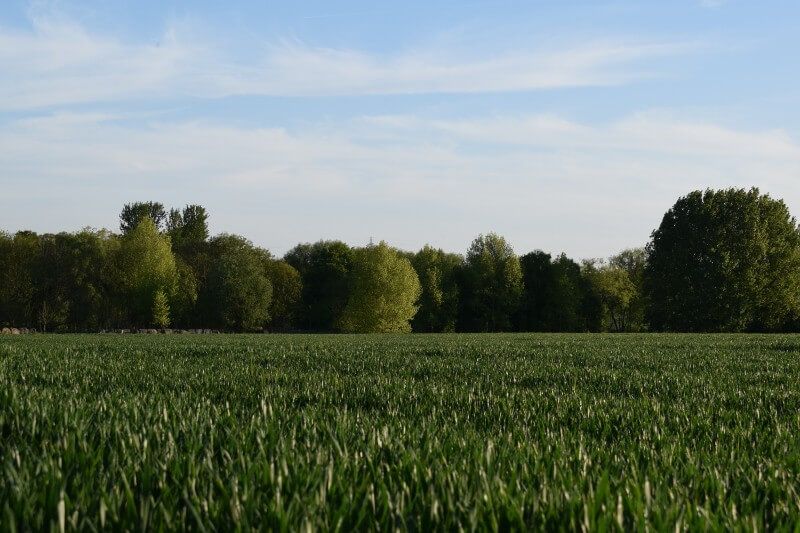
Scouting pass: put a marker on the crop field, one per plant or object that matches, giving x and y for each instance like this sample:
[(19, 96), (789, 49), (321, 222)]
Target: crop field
[(215, 432)]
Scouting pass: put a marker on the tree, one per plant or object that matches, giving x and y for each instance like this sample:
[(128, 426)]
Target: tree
[(324, 269), (145, 265), (384, 290), (160, 309), (19, 259), (438, 302), (633, 261), (189, 228), (287, 289), (726, 260), (492, 281), (183, 304), (238, 294), (538, 296), (615, 290), (133, 214)]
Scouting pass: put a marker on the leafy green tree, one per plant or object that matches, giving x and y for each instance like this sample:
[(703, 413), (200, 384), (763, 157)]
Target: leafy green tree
[(492, 285), (383, 294), (287, 291), (71, 280), (238, 294), (324, 269), (134, 213), (438, 303), (183, 302), (160, 309), (633, 261), (615, 290), (726, 260), (145, 265)]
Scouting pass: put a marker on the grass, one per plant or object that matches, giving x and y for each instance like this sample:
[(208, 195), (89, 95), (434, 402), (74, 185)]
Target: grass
[(400, 432)]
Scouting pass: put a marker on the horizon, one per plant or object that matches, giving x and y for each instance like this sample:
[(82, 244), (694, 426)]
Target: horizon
[(413, 125)]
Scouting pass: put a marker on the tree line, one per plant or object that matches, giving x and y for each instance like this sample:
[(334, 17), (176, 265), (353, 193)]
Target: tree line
[(726, 260)]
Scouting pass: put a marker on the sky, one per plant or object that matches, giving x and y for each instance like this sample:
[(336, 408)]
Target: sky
[(566, 126)]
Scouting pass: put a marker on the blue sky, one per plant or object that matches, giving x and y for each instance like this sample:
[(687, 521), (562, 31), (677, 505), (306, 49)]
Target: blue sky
[(565, 126)]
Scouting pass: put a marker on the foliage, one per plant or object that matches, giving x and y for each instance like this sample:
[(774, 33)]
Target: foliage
[(720, 261), (423, 433), (438, 303), (238, 293), (557, 295), (536, 301), (492, 285), (724, 261), (19, 256), (183, 304), (188, 228), (633, 261), (383, 294), (133, 214), (160, 309), (145, 265), (325, 270), (615, 290), (287, 292)]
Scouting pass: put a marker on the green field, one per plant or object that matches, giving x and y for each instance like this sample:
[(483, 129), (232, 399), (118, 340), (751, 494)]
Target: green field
[(407, 432)]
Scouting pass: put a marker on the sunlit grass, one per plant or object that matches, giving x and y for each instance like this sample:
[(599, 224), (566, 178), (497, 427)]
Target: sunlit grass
[(408, 432)]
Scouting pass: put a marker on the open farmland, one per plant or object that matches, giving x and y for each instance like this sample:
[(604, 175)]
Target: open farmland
[(408, 432)]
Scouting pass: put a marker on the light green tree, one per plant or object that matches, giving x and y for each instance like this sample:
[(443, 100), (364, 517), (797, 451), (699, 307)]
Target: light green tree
[(438, 303), (616, 292), (145, 265), (384, 289), (160, 309)]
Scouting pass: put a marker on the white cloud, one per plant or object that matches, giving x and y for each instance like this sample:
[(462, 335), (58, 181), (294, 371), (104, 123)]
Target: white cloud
[(544, 181), (58, 63)]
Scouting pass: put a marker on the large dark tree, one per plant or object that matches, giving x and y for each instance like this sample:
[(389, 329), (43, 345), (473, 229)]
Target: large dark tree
[(538, 297), (325, 269), (557, 296), (492, 285), (132, 214), (725, 260), (237, 293)]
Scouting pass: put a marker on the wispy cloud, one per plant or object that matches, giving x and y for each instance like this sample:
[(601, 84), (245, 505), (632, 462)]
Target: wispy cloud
[(58, 63), (443, 180)]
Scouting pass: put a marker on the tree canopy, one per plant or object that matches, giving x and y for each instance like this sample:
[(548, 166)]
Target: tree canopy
[(724, 260), (438, 273), (384, 289), (145, 265), (492, 281)]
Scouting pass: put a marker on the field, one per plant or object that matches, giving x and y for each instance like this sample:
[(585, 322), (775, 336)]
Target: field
[(411, 432)]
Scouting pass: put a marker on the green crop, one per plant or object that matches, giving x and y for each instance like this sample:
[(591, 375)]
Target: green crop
[(410, 432)]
